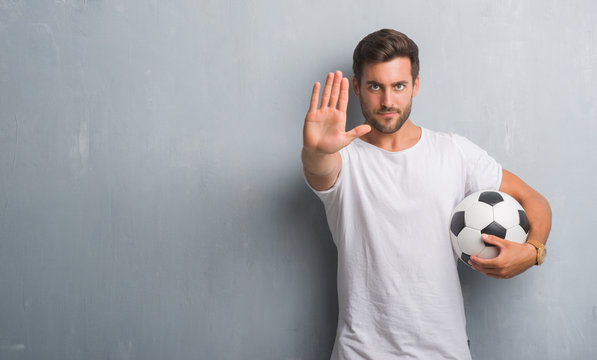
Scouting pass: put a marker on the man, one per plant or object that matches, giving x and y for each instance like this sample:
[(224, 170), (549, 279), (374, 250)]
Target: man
[(389, 188)]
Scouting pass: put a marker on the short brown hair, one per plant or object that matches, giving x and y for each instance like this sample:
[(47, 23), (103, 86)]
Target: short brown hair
[(385, 45)]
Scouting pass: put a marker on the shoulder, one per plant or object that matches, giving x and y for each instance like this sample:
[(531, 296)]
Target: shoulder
[(446, 140), (443, 136), (453, 139), (456, 145)]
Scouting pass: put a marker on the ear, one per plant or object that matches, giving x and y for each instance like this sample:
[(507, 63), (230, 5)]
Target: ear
[(355, 86), (416, 86)]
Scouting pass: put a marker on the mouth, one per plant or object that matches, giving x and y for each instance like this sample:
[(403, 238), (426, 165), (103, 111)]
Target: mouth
[(387, 114)]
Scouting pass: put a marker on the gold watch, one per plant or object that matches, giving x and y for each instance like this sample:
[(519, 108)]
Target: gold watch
[(541, 251)]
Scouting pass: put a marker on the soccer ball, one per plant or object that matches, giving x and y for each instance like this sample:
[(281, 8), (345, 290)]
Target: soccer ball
[(486, 212)]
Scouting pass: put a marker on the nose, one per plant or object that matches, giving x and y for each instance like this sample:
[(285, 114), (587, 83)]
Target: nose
[(386, 100)]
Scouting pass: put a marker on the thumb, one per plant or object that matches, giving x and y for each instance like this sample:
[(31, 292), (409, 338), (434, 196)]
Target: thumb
[(358, 131), (492, 240)]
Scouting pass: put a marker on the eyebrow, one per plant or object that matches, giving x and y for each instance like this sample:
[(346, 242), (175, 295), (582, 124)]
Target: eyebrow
[(405, 82)]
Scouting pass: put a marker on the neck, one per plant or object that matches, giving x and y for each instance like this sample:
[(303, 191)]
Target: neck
[(408, 135)]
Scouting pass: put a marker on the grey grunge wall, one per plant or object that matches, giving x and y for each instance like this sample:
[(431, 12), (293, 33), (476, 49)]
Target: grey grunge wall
[(151, 198)]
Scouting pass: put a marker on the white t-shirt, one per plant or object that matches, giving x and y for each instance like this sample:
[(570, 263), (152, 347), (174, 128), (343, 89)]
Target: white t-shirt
[(389, 212)]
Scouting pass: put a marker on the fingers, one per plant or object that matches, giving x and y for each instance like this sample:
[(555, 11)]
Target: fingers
[(314, 97), (510, 262), (477, 262), (488, 267), (335, 93), (493, 240), (492, 262), (334, 88), (327, 90), (343, 103)]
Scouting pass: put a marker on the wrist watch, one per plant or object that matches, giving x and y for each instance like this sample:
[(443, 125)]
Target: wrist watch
[(541, 251)]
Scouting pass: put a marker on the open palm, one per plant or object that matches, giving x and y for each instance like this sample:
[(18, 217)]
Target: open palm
[(325, 125)]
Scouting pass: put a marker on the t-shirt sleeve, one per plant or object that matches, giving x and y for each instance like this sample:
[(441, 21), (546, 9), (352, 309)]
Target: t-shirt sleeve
[(482, 172)]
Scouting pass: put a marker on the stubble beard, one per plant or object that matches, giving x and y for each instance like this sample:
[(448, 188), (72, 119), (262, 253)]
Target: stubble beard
[(386, 129)]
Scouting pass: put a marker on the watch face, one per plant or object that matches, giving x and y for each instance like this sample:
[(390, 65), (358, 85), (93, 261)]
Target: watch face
[(542, 255)]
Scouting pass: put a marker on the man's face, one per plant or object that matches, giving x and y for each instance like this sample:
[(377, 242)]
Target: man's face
[(385, 92)]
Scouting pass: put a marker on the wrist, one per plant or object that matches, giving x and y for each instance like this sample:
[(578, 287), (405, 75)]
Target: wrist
[(320, 164), (531, 253), (539, 250), (310, 154)]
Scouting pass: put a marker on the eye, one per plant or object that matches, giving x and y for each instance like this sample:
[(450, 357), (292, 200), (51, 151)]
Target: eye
[(399, 86), (374, 87)]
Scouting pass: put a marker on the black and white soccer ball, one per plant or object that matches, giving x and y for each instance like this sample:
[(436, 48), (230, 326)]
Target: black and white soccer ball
[(486, 212)]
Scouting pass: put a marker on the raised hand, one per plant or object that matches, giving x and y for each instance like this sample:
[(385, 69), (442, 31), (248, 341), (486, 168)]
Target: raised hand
[(324, 129)]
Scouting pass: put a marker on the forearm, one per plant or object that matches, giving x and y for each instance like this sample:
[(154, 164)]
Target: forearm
[(539, 214), (319, 164), (321, 170), (534, 204)]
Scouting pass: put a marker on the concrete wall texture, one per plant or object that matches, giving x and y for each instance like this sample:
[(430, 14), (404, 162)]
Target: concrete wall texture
[(151, 198)]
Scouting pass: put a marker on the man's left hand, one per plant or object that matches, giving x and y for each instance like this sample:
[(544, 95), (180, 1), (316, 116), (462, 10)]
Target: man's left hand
[(513, 258)]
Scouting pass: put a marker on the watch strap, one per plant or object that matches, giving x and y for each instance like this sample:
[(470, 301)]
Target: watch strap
[(540, 250)]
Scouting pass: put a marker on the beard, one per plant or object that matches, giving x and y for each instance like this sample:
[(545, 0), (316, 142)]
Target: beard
[(386, 128)]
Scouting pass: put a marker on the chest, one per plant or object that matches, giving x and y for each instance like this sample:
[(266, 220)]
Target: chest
[(415, 184)]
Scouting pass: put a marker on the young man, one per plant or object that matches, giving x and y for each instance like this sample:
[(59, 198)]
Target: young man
[(389, 187)]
